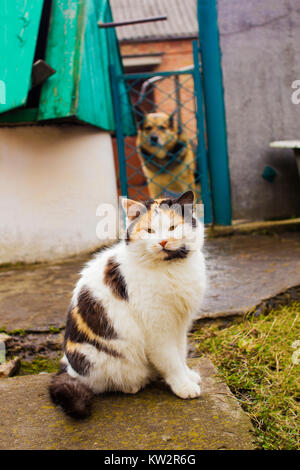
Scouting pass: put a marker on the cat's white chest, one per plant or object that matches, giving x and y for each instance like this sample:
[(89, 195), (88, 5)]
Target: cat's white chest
[(162, 292)]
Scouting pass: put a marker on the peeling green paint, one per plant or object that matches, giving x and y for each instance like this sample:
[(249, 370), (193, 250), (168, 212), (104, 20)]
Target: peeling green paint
[(18, 35), (77, 49)]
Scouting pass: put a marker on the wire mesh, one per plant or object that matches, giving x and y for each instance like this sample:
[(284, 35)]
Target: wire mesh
[(161, 159)]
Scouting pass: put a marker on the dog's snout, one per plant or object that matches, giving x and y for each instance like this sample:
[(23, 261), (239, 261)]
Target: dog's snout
[(154, 139)]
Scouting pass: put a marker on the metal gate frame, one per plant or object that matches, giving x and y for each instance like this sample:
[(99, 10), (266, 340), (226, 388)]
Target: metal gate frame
[(201, 152), (215, 119)]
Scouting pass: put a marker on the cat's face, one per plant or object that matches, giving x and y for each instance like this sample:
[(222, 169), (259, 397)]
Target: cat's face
[(164, 228)]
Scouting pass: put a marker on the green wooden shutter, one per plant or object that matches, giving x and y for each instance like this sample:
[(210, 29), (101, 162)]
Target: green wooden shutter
[(81, 54), (95, 100), (101, 49), (18, 35), (59, 95)]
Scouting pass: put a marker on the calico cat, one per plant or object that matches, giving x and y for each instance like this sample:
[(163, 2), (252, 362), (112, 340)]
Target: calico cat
[(132, 307)]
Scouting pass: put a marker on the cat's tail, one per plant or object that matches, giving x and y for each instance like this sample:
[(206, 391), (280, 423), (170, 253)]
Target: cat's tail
[(73, 396)]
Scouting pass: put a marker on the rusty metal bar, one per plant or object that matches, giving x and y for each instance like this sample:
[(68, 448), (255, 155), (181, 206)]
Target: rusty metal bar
[(129, 22)]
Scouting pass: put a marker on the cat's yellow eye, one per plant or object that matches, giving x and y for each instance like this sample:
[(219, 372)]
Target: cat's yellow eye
[(172, 228), (150, 230)]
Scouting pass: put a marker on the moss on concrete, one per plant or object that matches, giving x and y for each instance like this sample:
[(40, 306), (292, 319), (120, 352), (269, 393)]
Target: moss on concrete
[(152, 419), (38, 365)]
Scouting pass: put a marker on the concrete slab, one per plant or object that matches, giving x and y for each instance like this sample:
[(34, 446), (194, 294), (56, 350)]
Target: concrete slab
[(154, 419), (36, 297), (243, 270)]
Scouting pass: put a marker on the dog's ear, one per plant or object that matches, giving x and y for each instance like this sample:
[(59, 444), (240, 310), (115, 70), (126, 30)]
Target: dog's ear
[(139, 117)]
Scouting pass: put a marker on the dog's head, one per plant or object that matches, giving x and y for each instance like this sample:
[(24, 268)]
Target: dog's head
[(157, 134)]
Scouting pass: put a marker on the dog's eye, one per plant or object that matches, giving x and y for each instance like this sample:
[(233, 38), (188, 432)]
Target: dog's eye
[(162, 128), (150, 230), (148, 128), (172, 228)]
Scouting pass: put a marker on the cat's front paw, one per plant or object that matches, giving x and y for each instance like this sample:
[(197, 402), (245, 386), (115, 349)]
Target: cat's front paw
[(187, 389), (194, 376), (132, 389)]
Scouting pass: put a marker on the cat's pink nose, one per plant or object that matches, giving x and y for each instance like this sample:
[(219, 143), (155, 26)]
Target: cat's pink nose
[(163, 243)]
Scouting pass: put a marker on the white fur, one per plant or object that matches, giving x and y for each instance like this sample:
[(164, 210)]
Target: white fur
[(152, 325)]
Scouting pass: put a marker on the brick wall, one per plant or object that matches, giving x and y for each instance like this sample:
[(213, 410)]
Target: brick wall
[(177, 53)]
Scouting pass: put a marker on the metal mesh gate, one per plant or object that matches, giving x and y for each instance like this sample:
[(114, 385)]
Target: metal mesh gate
[(164, 154)]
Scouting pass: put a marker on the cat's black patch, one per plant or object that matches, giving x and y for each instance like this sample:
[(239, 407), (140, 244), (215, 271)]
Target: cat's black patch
[(114, 279), (183, 205), (94, 315), (183, 199), (78, 362), (75, 335), (73, 396), (181, 253)]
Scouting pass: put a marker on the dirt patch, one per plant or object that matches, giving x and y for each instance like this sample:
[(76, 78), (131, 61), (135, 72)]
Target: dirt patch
[(40, 352)]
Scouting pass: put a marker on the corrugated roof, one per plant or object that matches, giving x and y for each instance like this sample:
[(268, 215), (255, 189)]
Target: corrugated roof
[(181, 22)]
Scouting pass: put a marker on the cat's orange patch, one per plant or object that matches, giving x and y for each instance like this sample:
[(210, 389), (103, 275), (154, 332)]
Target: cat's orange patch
[(144, 221), (102, 343), (83, 327)]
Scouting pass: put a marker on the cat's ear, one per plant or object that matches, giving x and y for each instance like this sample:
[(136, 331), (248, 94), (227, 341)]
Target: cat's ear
[(132, 208), (185, 198)]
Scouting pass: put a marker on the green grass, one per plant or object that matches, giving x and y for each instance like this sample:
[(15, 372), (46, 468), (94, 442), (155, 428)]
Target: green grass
[(54, 329), (255, 359), (38, 365)]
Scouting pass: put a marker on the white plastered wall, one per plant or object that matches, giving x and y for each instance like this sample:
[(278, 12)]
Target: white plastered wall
[(52, 178)]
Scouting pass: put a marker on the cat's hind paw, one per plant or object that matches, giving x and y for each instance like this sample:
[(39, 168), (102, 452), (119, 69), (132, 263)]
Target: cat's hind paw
[(187, 389)]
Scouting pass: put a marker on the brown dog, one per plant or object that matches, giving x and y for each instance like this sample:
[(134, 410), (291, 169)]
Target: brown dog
[(166, 155)]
